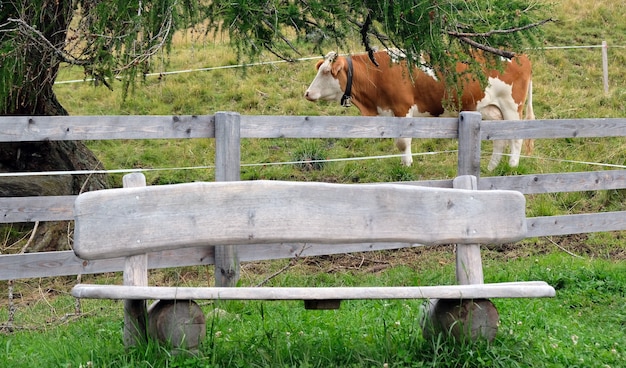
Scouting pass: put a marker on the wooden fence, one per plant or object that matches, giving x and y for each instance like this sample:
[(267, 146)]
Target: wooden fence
[(228, 128)]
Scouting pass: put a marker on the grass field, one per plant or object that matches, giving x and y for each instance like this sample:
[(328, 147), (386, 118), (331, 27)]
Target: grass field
[(584, 326)]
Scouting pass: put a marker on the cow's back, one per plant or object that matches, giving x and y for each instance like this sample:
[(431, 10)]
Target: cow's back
[(509, 83), (389, 87)]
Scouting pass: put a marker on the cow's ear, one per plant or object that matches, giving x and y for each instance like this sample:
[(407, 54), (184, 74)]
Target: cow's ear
[(319, 63), (336, 67)]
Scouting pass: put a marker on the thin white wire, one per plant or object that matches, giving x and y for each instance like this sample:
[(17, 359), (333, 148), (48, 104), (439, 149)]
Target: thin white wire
[(300, 59), (123, 171), (261, 164), (201, 69), (601, 164)]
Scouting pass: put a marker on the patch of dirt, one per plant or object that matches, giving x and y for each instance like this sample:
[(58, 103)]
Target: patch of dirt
[(377, 261), (427, 257)]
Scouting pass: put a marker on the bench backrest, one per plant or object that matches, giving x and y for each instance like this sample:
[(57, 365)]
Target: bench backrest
[(131, 221)]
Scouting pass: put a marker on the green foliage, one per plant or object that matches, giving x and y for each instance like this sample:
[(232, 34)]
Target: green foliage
[(28, 29), (129, 33), (445, 31), (111, 39), (106, 38)]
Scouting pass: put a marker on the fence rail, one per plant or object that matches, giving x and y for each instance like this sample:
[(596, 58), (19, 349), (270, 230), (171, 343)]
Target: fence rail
[(59, 128), (228, 128)]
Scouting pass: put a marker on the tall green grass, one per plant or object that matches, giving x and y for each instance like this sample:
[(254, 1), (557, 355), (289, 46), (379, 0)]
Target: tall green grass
[(583, 326)]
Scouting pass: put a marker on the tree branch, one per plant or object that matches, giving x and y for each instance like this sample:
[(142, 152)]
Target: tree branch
[(493, 50), (30, 32), (465, 37), (498, 31), (366, 42)]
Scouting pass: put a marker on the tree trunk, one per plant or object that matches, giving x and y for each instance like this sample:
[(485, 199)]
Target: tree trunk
[(48, 156), (32, 71)]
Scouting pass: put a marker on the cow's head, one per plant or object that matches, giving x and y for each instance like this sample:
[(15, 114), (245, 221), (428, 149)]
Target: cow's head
[(326, 85)]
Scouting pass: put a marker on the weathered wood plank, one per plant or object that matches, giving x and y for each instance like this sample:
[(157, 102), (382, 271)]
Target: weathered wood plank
[(555, 183), (58, 128), (556, 128), (122, 222), (65, 263), (346, 127), (38, 128), (530, 289), (31, 209), (227, 168), (576, 224), (135, 274), (469, 265), (49, 264), (469, 144), (60, 208)]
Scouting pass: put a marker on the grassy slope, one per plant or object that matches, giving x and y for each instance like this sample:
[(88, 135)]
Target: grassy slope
[(567, 84), (583, 326)]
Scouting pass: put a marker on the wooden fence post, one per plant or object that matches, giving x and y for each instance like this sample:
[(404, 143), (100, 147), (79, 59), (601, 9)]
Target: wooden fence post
[(605, 66), (227, 168), (469, 143), (468, 262), (466, 319), (135, 274)]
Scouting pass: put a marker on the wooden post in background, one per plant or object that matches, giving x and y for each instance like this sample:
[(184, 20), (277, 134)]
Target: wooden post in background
[(469, 268), (465, 319), (605, 66), (469, 143), (135, 274), (227, 168), (468, 262)]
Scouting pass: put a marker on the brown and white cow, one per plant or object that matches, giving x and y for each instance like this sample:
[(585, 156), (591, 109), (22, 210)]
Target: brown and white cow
[(387, 90)]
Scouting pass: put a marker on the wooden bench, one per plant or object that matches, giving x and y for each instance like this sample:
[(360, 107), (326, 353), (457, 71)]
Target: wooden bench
[(136, 220)]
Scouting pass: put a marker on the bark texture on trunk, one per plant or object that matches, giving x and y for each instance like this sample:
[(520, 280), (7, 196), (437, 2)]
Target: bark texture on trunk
[(29, 69)]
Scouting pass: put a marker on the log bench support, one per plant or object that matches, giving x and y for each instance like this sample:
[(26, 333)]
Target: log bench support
[(136, 220), (473, 318)]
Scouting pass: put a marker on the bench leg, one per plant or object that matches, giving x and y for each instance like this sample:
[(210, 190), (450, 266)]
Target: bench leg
[(135, 316), (462, 319), (135, 273), (179, 324)]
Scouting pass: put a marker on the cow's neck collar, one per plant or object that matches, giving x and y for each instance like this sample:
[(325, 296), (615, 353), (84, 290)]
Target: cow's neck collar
[(346, 99)]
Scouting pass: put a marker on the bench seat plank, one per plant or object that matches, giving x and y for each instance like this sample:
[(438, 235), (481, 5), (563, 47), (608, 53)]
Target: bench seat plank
[(129, 221), (528, 289)]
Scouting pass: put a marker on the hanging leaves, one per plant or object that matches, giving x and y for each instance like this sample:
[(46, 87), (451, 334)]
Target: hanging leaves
[(118, 38)]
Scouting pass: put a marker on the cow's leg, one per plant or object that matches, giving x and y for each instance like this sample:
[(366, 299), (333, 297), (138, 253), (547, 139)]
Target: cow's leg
[(516, 150), (496, 155), (491, 112), (516, 144), (404, 145)]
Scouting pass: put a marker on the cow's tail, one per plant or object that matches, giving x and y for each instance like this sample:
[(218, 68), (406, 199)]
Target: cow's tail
[(529, 144)]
